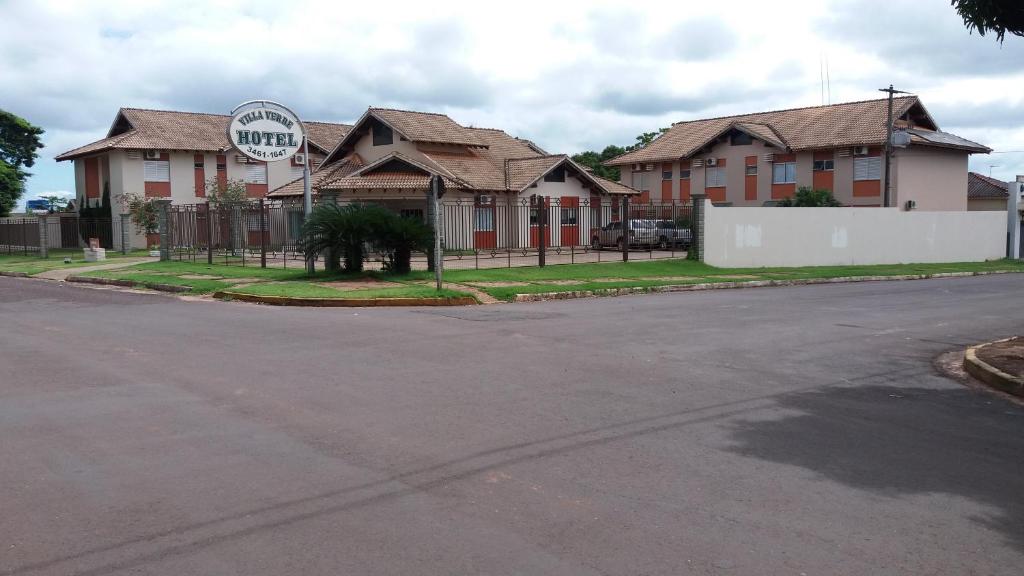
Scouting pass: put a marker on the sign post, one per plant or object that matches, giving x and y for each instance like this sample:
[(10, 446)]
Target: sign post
[(435, 207), (267, 131)]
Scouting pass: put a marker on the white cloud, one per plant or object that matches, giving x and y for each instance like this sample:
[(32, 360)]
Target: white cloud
[(568, 75)]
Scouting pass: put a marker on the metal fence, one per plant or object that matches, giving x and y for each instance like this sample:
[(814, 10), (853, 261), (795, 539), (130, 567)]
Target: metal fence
[(62, 231), (478, 232)]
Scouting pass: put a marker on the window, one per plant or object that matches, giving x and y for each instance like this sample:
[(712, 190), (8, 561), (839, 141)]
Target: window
[(867, 168), (483, 219), (556, 175), (295, 172), (684, 174), (740, 139), (414, 213), (824, 165), (784, 173), (750, 170), (666, 175), (157, 170), (382, 135), (256, 173), (640, 181), (533, 217), (714, 176), (569, 216), (198, 162)]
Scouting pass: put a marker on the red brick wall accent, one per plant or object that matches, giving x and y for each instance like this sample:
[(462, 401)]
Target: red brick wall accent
[(92, 178), (200, 175)]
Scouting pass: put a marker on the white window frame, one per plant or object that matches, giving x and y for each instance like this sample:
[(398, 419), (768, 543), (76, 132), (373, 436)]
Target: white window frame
[(788, 172), (156, 170), (867, 168), (253, 175), (714, 177)]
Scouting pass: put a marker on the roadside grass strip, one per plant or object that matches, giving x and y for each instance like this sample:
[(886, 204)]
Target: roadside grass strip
[(31, 264), (316, 290)]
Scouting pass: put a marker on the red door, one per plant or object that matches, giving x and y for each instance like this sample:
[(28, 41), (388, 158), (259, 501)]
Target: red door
[(569, 214), (485, 234), (535, 213)]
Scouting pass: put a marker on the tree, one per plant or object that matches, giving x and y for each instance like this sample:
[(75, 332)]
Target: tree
[(595, 160), (232, 191), (398, 237), (143, 211), (805, 197), (19, 141), (998, 16), (55, 203)]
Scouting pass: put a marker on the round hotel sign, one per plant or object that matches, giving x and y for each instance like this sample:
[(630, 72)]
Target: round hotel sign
[(265, 131)]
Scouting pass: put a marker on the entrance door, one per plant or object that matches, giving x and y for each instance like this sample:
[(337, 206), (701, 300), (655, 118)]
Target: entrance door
[(569, 213), (485, 234)]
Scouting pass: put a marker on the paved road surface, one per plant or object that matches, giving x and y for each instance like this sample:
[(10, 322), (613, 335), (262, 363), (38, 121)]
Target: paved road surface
[(769, 431)]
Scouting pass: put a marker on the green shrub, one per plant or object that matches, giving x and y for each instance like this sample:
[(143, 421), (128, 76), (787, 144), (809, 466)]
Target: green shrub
[(342, 232), (398, 237), (805, 197)]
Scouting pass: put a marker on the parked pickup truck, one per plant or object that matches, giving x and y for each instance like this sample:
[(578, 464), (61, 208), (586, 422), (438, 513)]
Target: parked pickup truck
[(642, 234), (671, 235)]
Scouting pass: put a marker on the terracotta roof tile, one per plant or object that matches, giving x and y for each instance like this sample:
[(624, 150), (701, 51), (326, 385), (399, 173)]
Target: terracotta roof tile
[(981, 186), (171, 130), (427, 127), (832, 126)]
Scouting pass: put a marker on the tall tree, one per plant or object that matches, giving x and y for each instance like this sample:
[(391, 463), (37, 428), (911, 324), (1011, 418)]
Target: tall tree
[(595, 160), (998, 16), (19, 141)]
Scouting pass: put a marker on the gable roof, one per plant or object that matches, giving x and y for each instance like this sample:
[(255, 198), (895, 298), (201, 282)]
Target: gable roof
[(139, 128), (814, 127), (981, 186), (493, 162)]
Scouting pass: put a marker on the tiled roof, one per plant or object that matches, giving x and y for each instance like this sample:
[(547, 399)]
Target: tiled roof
[(762, 131), (836, 125), (427, 127), (945, 140), (320, 177), (473, 159), (981, 186), (137, 128), (525, 171)]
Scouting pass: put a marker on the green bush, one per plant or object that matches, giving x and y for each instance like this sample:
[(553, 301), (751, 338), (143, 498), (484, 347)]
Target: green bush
[(805, 197), (342, 232)]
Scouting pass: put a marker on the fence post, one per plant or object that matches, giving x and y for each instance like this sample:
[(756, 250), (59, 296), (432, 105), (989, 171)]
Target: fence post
[(263, 234), (43, 248), (696, 251), (209, 232), (126, 237), (624, 219), (542, 221), (164, 228)]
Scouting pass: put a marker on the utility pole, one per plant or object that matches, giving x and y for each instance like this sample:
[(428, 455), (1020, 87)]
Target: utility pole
[(888, 143), (435, 222)]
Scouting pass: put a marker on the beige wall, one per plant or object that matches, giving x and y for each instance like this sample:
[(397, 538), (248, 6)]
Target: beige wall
[(986, 204), (933, 177), (772, 236)]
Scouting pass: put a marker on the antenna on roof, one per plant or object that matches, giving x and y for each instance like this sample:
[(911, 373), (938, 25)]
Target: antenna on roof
[(821, 77), (828, 81)]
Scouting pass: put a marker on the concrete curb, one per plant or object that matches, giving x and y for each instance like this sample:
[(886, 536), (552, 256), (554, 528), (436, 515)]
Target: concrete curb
[(14, 274), (990, 374), (175, 288), (344, 302), (568, 295)]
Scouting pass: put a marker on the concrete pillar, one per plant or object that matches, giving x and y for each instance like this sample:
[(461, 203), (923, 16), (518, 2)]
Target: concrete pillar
[(696, 251), (1013, 206), (44, 249), (164, 227), (126, 235)]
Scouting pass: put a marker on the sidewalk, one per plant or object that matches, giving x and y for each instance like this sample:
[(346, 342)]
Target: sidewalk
[(63, 273)]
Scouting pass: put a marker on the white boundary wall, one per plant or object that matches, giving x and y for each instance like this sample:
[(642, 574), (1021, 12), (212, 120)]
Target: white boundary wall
[(775, 236)]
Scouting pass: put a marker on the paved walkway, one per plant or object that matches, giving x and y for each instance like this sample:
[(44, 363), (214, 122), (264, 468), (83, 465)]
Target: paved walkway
[(63, 273)]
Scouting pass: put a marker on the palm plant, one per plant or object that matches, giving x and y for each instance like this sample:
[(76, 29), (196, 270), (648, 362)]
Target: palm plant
[(337, 232), (398, 237)]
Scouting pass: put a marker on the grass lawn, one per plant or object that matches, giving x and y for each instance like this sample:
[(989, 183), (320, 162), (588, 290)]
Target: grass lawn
[(32, 264), (316, 290), (205, 278)]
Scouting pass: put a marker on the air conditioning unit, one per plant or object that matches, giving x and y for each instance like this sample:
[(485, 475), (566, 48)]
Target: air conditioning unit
[(484, 199), (769, 158), (240, 159), (711, 162), (860, 151), (637, 167), (299, 159), (152, 155)]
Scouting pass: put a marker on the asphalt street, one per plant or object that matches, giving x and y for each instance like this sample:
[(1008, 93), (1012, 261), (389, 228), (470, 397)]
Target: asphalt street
[(799, 430)]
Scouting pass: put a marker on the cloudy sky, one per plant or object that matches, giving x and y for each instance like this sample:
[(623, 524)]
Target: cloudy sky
[(570, 76)]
